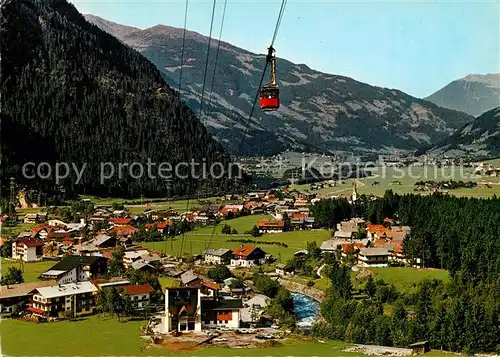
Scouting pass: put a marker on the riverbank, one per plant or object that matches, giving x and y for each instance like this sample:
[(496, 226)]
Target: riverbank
[(295, 287)]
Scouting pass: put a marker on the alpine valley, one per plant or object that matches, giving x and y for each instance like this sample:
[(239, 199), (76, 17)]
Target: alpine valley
[(319, 111)]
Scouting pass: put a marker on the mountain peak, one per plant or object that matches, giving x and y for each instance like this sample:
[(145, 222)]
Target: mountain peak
[(491, 79), (474, 94)]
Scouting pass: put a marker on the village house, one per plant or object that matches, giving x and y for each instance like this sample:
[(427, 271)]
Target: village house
[(271, 226), (124, 230), (190, 279), (248, 255), (159, 226), (14, 298), (284, 270), (132, 255), (221, 313), (218, 256), (139, 295), (253, 309), (105, 283), (27, 250), (32, 218), (74, 268), (344, 235), (53, 302), (227, 209), (301, 254), (373, 257), (202, 219), (350, 248), (120, 221), (182, 309)]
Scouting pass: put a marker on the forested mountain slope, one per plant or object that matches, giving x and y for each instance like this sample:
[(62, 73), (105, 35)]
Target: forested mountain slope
[(73, 93), (478, 140)]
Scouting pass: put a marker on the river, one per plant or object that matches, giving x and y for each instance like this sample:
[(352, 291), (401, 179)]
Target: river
[(305, 309)]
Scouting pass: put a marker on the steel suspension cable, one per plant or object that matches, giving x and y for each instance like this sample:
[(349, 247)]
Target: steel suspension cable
[(278, 22), (201, 100), (183, 44), (206, 61), (217, 54)]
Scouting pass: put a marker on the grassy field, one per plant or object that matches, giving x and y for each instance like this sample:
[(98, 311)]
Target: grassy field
[(402, 180), (406, 278), (96, 336), (198, 240), (31, 270), (403, 278)]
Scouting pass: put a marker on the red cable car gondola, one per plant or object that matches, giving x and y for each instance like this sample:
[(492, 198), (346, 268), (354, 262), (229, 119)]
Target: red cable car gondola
[(269, 94)]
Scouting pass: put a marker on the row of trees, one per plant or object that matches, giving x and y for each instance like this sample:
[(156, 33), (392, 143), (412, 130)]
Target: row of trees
[(452, 316), (457, 234)]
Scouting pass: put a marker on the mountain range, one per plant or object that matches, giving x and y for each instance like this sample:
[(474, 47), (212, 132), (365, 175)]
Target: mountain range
[(319, 111), (477, 140), (474, 94), (72, 93)]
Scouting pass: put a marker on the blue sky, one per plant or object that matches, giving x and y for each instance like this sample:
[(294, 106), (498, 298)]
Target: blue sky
[(415, 46)]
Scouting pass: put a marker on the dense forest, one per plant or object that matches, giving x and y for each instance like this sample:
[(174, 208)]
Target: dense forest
[(461, 235), (73, 93)]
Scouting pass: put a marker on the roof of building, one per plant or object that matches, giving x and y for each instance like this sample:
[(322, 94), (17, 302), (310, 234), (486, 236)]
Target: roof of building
[(18, 290), (281, 266), (138, 289), (29, 242), (140, 263), (123, 221), (72, 261), (342, 234), (125, 230), (300, 252), (134, 254), (188, 277), (245, 250), (210, 284), (100, 239), (67, 289), (331, 244), (261, 300), (271, 223), (53, 272), (102, 283), (226, 304), (374, 251), (217, 252)]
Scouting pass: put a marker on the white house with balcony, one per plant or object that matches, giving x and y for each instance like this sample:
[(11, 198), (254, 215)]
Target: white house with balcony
[(27, 250)]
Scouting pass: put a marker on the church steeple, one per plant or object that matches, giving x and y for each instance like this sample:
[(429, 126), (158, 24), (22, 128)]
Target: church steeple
[(355, 194)]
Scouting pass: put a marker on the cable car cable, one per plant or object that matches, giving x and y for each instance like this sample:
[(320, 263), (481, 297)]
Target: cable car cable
[(278, 23), (206, 61), (217, 54), (202, 96), (211, 91), (183, 44)]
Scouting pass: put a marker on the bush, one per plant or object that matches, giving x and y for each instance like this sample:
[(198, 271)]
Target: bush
[(219, 273), (310, 283)]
